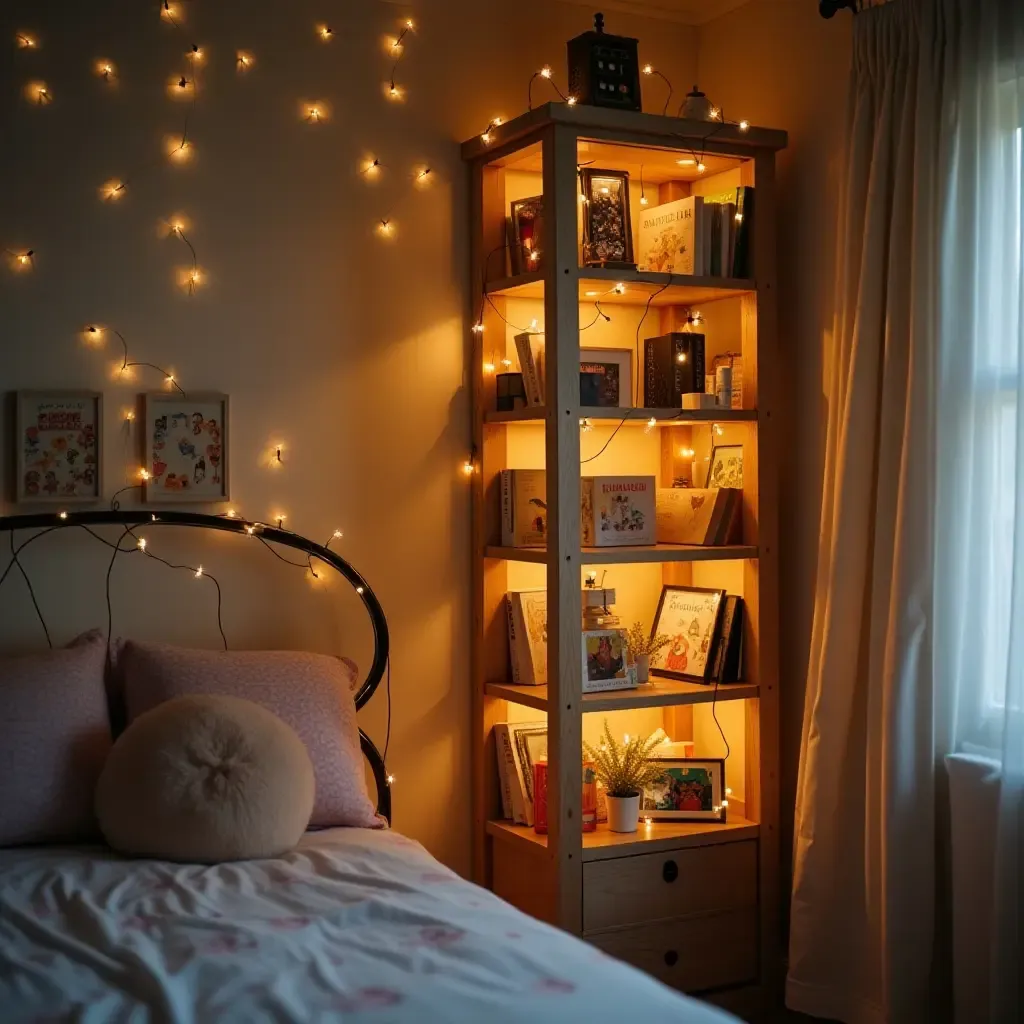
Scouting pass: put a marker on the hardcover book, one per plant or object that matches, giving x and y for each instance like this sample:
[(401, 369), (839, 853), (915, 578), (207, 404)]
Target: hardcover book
[(528, 636), (519, 745), (530, 349), (726, 662), (673, 367), (696, 515), (744, 219), (524, 508), (617, 510), (672, 237)]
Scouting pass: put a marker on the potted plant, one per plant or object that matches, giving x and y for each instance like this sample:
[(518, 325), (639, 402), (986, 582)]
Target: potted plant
[(642, 646), (624, 770)]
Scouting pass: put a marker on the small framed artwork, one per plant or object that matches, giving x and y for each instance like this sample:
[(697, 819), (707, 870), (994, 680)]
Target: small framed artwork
[(692, 789), (527, 241), (60, 446), (606, 663), (691, 618), (606, 378), (607, 232), (186, 447), (726, 466)]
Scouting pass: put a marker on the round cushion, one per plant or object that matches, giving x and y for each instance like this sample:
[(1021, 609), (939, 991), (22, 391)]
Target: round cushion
[(206, 779)]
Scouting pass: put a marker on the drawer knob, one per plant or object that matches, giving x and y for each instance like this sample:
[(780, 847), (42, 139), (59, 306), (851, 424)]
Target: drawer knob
[(671, 958), (670, 872)]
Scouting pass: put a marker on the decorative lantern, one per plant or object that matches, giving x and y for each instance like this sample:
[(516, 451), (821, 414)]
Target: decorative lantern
[(607, 233), (603, 70)]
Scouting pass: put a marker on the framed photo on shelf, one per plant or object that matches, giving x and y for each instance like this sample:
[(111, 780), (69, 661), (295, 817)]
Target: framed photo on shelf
[(59, 442), (725, 468), (606, 663), (691, 617), (607, 232), (185, 450), (692, 789), (606, 378), (526, 237)]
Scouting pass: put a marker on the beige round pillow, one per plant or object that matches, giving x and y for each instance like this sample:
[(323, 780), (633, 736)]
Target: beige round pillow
[(206, 779)]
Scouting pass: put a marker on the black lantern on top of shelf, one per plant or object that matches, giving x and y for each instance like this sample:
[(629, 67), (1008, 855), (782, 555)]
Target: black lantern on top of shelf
[(604, 70)]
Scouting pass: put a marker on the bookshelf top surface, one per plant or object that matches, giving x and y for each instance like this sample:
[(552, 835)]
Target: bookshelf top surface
[(657, 129), (657, 693), (632, 417)]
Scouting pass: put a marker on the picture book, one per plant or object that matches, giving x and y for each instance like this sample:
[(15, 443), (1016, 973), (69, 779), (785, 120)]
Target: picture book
[(530, 349), (524, 508), (617, 510), (528, 636), (696, 515), (672, 237)]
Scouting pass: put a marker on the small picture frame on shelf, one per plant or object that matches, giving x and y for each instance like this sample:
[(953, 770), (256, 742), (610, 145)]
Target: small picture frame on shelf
[(725, 468), (526, 235), (606, 664), (691, 789), (59, 438), (691, 617), (606, 378), (607, 232), (185, 451)]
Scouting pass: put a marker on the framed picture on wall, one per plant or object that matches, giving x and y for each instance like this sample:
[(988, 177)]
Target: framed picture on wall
[(692, 789), (691, 617), (726, 466), (186, 443), (59, 446), (606, 378)]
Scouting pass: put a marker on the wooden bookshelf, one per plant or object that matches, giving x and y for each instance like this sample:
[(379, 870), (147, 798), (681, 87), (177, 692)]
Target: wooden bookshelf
[(566, 875)]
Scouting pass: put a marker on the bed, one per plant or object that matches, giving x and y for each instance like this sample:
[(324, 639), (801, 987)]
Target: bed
[(353, 924)]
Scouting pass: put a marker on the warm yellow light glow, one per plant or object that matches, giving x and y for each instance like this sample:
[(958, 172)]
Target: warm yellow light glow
[(409, 24), (686, 161), (385, 228), (743, 125), (280, 517), (391, 780), (143, 474), (478, 328), (24, 258), (533, 324), (141, 544), (62, 515), (643, 200), (719, 429), (739, 218), (648, 821), (686, 453), (728, 791), (586, 425), (180, 88), (714, 113), (171, 12), (325, 32), (571, 100), (113, 189), (394, 92), (485, 138), (647, 69), (651, 424), (701, 167), (605, 191), (619, 289), (507, 364), (38, 93), (244, 61), (468, 467), (534, 255), (105, 70), (590, 295), (545, 72), (372, 168), (231, 513), (583, 198), (359, 590), (423, 175), (337, 534), (489, 367), (180, 150), (170, 378), (625, 739), (129, 415), (25, 41), (681, 358), (313, 114), (199, 572), (195, 54)]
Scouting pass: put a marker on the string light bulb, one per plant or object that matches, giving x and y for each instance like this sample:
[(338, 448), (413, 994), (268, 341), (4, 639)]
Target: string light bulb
[(199, 572), (337, 535), (372, 167), (313, 114), (686, 453), (144, 474), (39, 93), (423, 175), (325, 32), (24, 259), (195, 53), (170, 11), (129, 415), (489, 367), (169, 381), (585, 425), (619, 289), (62, 515), (394, 92), (141, 545), (714, 113), (231, 513), (647, 69), (468, 468), (507, 364), (743, 126), (643, 200), (244, 61), (105, 70), (280, 517), (701, 167), (571, 100), (25, 41), (545, 72), (681, 358), (391, 780), (359, 590), (534, 255), (478, 328), (113, 190), (650, 425), (384, 228)]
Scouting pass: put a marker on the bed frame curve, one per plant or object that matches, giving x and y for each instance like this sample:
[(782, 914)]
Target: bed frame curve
[(48, 522)]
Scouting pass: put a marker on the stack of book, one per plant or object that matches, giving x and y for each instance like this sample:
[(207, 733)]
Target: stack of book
[(699, 235)]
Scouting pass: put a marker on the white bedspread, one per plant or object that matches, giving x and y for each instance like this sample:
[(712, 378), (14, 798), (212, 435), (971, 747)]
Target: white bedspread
[(353, 925)]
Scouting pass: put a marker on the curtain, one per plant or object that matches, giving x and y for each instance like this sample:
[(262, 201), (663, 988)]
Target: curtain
[(901, 611)]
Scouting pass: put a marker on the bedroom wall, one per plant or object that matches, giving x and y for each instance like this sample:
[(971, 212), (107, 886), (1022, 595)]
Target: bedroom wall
[(346, 348), (777, 62)]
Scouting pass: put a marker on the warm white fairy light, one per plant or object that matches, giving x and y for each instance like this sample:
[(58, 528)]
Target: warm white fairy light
[(25, 41), (507, 364), (384, 228), (359, 590), (231, 513), (468, 468), (477, 328), (62, 515), (244, 61), (251, 530), (199, 572), (738, 217), (571, 100), (619, 289), (23, 260), (391, 780), (113, 190), (39, 93), (489, 367), (545, 72), (372, 168), (648, 821), (714, 113), (179, 150), (105, 70), (279, 518), (686, 453), (141, 545), (686, 161), (171, 12), (337, 535), (743, 125), (718, 429), (143, 474), (585, 425), (313, 114), (701, 167), (650, 425), (169, 380), (681, 358), (643, 200), (325, 32), (129, 415)]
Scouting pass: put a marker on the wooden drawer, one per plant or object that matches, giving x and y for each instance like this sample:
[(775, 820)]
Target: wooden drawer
[(691, 955), (654, 886)]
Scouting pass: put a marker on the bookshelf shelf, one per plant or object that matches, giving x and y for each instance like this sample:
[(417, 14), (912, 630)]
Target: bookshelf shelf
[(658, 693), (632, 555), (539, 154), (632, 417), (658, 837), (598, 284)]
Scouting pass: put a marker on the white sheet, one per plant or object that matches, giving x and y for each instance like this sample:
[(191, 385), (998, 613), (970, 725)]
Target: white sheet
[(353, 925)]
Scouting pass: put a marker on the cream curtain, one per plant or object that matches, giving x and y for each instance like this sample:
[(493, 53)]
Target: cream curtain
[(870, 925)]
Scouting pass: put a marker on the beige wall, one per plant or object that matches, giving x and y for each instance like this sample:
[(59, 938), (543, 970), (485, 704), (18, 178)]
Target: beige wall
[(349, 350), (778, 63)]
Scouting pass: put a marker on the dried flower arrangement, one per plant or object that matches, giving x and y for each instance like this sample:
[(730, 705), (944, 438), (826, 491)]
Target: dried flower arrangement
[(623, 768), (641, 643)]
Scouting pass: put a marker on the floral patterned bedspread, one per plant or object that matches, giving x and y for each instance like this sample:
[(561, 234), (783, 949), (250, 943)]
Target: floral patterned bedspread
[(353, 925)]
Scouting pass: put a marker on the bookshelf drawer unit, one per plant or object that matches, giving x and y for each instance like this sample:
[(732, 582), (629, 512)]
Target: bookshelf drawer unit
[(649, 887), (693, 902)]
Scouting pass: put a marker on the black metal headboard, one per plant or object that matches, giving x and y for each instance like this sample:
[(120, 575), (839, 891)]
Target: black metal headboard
[(47, 522)]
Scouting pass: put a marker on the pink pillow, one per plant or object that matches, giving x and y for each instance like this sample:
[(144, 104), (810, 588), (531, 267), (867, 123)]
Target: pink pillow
[(54, 739), (310, 692)]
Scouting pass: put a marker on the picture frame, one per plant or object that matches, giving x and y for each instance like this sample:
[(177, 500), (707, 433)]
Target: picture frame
[(607, 230), (526, 244), (692, 789), (606, 664), (59, 447), (725, 467), (186, 443), (606, 378), (692, 618)]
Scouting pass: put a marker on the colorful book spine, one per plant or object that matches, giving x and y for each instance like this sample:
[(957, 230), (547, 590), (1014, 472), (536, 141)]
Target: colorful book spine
[(507, 773)]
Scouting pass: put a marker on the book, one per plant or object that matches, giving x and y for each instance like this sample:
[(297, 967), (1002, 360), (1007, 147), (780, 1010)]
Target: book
[(524, 508), (673, 367), (528, 636), (529, 742), (727, 238), (672, 237), (742, 261), (705, 223), (511, 798), (617, 511), (714, 250), (614, 510), (530, 349), (695, 515), (726, 659)]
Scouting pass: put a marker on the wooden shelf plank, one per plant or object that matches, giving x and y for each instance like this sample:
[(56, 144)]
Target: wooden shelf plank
[(657, 837), (658, 693), (632, 555), (632, 417), (598, 284)]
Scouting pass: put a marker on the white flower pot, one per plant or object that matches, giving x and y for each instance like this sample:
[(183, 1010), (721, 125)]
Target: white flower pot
[(643, 668), (623, 813)]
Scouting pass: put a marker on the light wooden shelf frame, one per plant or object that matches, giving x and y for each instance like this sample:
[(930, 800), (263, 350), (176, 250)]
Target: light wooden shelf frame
[(548, 139)]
